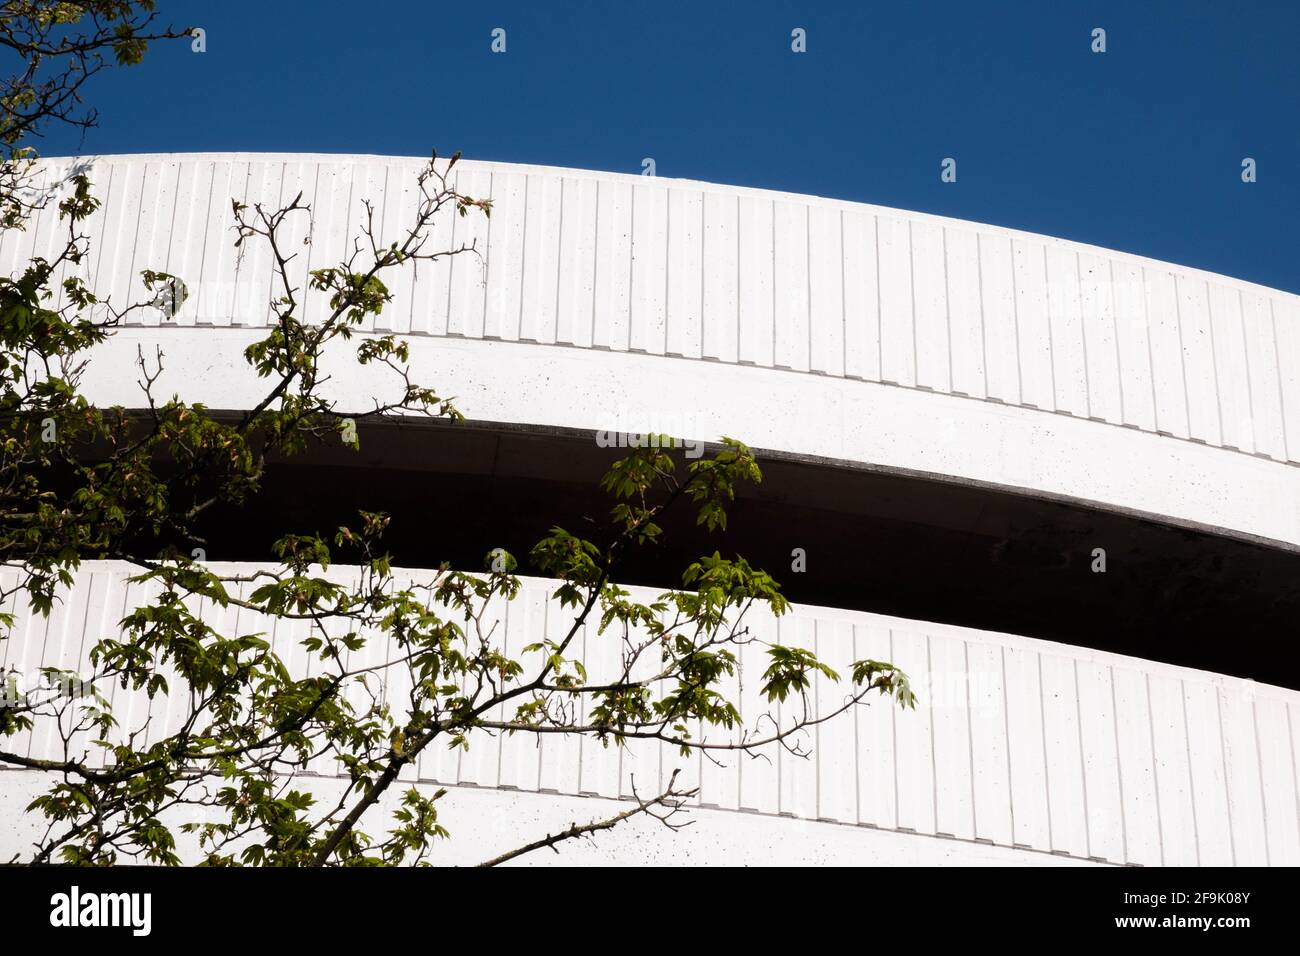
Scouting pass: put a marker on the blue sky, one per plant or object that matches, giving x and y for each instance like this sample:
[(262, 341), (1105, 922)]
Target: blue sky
[(1138, 149)]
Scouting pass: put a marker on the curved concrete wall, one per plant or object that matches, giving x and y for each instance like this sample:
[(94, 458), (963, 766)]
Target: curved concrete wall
[(1018, 748), (818, 328), (806, 325)]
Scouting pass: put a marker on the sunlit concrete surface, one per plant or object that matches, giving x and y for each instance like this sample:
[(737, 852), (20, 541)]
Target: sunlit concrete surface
[(819, 329), (486, 822), (1020, 750), (806, 325)]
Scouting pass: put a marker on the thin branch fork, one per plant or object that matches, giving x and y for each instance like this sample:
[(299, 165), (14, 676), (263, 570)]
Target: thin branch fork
[(670, 800)]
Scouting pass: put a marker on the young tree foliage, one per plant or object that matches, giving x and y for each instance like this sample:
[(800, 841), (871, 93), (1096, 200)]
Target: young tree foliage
[(81, 482)]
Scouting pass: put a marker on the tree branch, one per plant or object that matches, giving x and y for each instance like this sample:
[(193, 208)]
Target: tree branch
[(671, 800)]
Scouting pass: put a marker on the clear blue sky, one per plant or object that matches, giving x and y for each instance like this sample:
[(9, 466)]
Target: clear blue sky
[(1137, 149)]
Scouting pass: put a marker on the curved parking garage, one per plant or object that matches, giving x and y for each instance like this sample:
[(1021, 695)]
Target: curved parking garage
[(1057, 484)]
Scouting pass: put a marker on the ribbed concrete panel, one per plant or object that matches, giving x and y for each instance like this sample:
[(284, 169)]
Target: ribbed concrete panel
[(965, 313), (812, 327), (697, 271), (1015, 742)]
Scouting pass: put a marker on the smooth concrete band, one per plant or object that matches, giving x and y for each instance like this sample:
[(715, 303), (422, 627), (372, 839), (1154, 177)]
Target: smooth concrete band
[(811, 326)]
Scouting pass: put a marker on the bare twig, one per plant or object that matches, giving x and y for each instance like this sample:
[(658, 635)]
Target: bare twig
[(671, 800)]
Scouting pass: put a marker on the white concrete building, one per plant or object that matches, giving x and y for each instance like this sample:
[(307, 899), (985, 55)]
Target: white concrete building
[(957, 419)]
